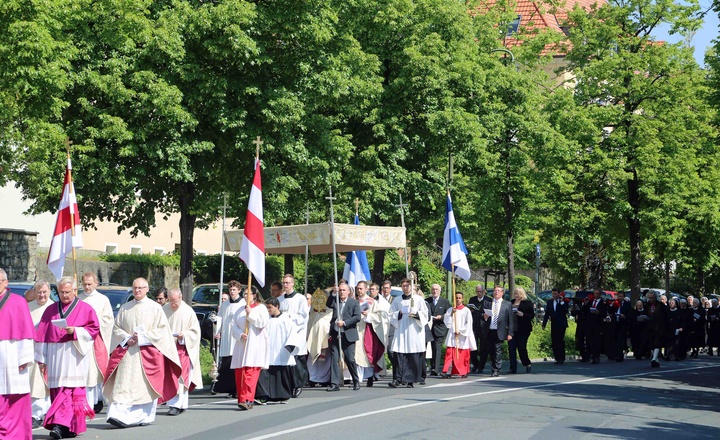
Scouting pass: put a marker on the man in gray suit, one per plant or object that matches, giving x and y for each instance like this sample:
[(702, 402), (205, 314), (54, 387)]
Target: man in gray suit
[(343, 329), (501, 328)]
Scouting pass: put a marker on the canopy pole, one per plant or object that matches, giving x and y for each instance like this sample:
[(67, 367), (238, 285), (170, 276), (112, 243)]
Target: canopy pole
[(307, 248), (335, 270), (402, 222)]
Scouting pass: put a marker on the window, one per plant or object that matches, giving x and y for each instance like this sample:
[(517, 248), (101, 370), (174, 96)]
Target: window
[(159, 250), (111, 248), (513, 26), (135, 250)]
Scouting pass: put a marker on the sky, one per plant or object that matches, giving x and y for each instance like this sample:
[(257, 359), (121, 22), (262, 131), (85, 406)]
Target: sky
[(702, 39)]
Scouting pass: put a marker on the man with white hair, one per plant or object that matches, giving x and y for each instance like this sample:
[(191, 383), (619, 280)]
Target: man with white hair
[(100, 354), (39, 392), (144, 365), (64, 338), (16, 351), (186, 331)]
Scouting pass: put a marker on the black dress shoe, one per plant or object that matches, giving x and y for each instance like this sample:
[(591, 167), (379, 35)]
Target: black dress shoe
[(173, 411), (528, 369), (655, 364), (98, 407), (56, 432), (434, 373), (394, 384), (333, 388), (36, 423), (356, 386), (370, 381), (464, 376), (511, 372), (495, 374), (117, 423), (297, 392), (410, 385)]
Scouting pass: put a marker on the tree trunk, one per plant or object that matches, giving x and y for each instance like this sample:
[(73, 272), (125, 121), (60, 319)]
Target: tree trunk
[(289, 264), (187, 231), (700, 280), (507, 205), (510, 244), (378, 266), (667, 278), (634, 230)]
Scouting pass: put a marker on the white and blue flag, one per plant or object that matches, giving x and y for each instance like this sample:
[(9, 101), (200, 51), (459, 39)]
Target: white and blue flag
[(454, 250), (356, 265)]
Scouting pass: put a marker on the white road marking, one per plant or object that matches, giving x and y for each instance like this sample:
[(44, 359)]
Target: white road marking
[(465, 396)]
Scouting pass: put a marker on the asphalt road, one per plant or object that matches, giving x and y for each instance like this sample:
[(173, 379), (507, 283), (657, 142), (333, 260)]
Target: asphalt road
[(626, 400)]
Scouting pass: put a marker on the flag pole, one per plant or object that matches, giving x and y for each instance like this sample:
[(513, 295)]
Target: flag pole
[(248, 289), (454, 311), (68, 142), (335, 271)]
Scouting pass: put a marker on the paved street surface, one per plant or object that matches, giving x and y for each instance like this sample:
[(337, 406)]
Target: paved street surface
[(626, 400)]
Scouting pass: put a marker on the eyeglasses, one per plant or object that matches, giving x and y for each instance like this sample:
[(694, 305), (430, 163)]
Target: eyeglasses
[(140, 287)]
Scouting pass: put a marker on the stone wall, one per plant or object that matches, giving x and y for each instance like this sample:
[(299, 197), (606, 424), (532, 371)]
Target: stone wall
[(118, 273), (16, 250)]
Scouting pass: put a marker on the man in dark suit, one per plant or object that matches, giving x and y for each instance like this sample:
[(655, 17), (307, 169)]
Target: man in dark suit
[(437, 306), (595, 313), (502, 328), (343, 330), (481, 327), (556, 311)]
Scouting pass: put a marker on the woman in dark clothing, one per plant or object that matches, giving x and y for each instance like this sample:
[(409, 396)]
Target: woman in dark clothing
[(676, 330), (523, 312), (696, 336), (637, 328), (713, 327)]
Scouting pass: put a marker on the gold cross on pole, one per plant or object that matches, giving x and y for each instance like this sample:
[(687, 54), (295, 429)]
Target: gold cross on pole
[(257, 143)]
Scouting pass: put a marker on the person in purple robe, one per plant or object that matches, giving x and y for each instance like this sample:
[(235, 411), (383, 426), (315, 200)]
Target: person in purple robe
[(16, 353), (64, 338)]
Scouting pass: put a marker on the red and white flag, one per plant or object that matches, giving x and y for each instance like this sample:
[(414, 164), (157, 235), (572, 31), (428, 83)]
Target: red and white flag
[(68, 232), (252, 248)]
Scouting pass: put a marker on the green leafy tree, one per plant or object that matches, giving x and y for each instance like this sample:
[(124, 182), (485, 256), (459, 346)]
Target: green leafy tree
[(163, 99), (646, 104)]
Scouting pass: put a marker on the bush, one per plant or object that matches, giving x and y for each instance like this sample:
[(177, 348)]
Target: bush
[(206, 363), (540, 343), (172, 260)]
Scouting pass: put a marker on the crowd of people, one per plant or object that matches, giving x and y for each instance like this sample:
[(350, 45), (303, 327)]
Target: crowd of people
[(63, 362), (654, 328)]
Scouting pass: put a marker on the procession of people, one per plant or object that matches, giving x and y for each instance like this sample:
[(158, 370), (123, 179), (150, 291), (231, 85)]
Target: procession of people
[(66, 360)]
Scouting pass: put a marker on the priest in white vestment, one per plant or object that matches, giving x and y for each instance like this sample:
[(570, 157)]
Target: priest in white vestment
[(370, 348), (64, 338), (408, 315), (226, 380), (251, 353), (39, 392), (295, 306), (16, 353), (144, 365), (275, 383), (185, 329), (100, 354), (460, 339)]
